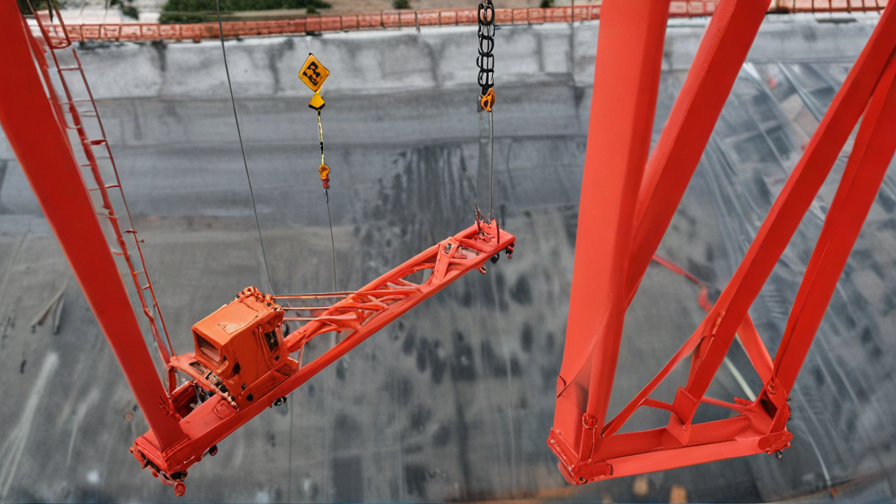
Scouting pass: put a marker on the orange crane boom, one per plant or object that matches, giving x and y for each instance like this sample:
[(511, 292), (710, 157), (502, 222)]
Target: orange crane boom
[(242, 363)]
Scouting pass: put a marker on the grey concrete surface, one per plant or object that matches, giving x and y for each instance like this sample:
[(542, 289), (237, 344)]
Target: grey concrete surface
[(455, 400)]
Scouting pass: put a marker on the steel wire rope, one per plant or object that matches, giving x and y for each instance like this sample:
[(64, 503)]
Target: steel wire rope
[(486, 80), (320, 130), (264, 257), (332, 239)]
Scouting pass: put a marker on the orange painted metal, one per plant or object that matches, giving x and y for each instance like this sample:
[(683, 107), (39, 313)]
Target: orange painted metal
[(871, 155), (716, 65), (214, 403), (239, 351), (374, 21), (42, 147), (409, 19), (627, 73), (828, 6), (242, 361), (365, 311), (590, 448), (75, 112)]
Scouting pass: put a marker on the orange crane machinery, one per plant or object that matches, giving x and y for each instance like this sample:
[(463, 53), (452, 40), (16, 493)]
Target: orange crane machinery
[(242, 363), (628, 200)]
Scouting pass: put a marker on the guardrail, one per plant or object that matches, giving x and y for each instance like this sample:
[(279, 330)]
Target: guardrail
[(412, 19), (826, 6)]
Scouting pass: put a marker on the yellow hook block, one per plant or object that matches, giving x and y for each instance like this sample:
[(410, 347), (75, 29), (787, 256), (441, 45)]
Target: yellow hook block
[(324, 175)]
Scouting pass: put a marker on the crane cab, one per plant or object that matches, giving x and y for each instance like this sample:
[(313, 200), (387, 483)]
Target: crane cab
[(239, 349)]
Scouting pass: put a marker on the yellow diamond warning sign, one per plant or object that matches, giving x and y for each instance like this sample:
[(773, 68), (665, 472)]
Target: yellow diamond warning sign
[(317, 102), (313, 73)]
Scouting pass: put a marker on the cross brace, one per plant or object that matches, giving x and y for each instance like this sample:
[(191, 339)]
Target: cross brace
[(629, 202)]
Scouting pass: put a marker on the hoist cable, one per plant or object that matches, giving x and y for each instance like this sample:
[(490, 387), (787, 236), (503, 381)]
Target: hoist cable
[(239, 134), (491, 166), (479, 169), (486, 164), (320, 130), (486, 80), (332, 240)]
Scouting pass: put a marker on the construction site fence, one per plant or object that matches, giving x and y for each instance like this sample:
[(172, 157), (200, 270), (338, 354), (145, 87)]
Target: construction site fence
[(412, 19)]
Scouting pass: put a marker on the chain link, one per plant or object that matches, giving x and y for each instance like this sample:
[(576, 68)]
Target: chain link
[(486, 60)]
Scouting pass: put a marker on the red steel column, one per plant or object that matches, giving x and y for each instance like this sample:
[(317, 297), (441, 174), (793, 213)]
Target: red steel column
[(722, 52), (868, 162), (43, 150), (626, 80), (789, 208)]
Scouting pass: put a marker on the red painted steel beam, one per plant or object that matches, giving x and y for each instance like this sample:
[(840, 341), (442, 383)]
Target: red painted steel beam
[(671, 166), (787, 211), (760, 426), (627, 73), (871, 155), (722, 51), (657, 450), (45, 154), (354, 320), (590, 450)]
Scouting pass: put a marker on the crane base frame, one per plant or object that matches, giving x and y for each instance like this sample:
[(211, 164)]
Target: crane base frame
[(629, 196)]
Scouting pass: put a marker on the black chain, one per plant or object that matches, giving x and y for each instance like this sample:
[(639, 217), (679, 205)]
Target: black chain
[(486, 60)]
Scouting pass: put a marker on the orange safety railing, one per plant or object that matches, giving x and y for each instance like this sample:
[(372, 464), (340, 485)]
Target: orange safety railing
[(415, 19), (824, 6)]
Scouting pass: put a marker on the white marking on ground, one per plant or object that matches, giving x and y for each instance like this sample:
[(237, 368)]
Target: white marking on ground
[(85, 405), (14, 445)]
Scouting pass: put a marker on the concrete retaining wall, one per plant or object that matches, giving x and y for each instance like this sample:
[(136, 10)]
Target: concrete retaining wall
[(400, 60)]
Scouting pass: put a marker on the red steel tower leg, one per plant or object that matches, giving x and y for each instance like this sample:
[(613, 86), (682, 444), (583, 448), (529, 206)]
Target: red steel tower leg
[(626, 81), (871, 155), (187, 425), (724, 47), (591, 448), (45, 155), (788, 210), (721, 54)]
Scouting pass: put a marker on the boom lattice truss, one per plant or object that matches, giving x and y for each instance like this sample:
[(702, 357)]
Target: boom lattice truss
[(70, 167)]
